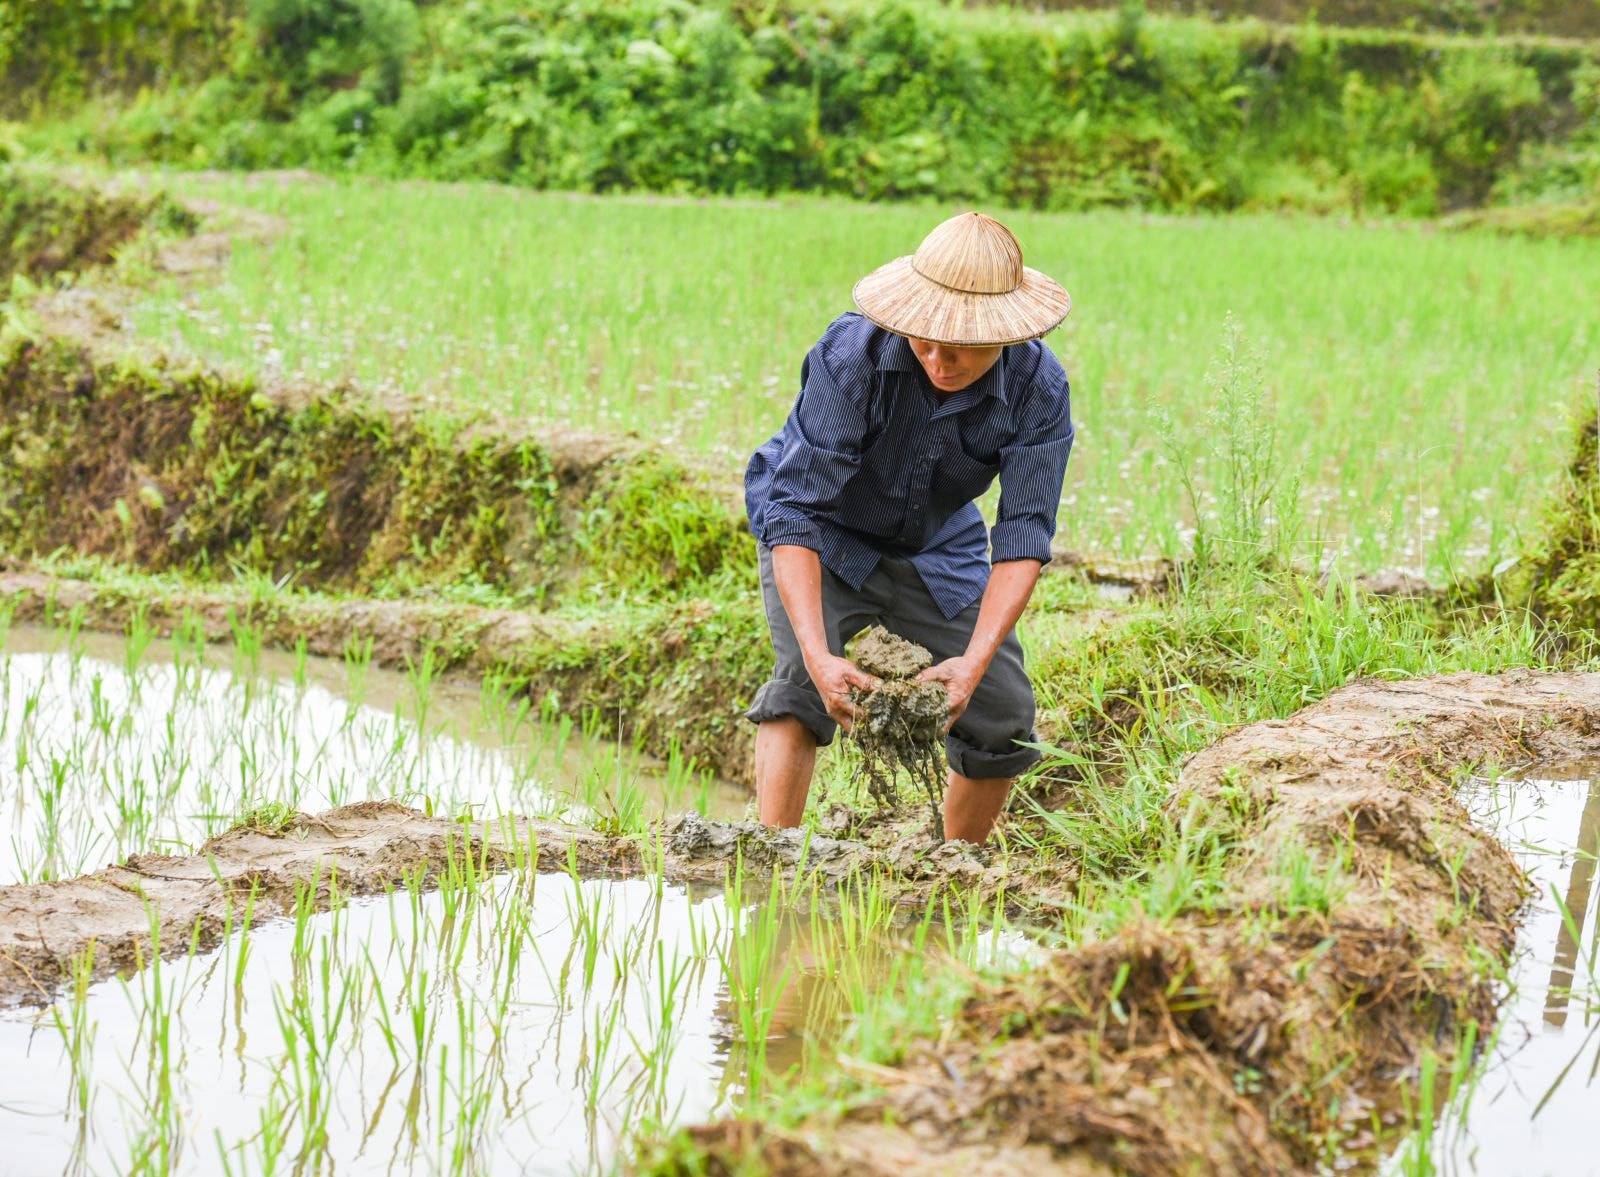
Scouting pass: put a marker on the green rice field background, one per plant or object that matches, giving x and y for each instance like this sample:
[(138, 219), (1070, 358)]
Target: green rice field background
[(1423, 382)]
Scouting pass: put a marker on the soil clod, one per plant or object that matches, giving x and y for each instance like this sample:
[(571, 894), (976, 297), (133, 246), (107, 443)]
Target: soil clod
[(903, 723)]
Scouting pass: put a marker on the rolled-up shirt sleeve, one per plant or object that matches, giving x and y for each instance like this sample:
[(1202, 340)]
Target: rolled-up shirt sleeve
[(821, 455), (1032, 469)]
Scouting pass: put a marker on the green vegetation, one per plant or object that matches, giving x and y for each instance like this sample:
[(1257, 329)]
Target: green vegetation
[(1388, 348), (837, 96), (386, 426), (1559, 573), (1561, 18)]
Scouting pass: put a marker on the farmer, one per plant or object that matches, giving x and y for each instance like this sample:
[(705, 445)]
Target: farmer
[(863, 507)]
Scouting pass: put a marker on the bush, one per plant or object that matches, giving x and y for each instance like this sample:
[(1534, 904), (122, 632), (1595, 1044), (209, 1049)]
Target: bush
[(299, 46), (906, 99)]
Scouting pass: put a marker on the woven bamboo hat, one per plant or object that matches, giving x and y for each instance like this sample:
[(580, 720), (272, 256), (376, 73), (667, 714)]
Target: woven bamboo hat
[(965, 286)]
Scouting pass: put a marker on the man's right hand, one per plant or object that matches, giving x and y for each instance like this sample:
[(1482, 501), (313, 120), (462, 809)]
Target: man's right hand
[(834, 677)]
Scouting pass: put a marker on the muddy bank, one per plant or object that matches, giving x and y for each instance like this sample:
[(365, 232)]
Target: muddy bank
[(186, 470), (356, 849), (373, 846), (1227, 1040), (52, 223)]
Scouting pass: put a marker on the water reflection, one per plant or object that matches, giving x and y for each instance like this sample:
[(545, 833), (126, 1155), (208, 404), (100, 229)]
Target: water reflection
[(1580, 888), (113, 747), (509, 1024), (1531, 1111)]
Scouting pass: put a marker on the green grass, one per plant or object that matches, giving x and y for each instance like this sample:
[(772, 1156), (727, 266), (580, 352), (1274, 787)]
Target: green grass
[(1422, 382)]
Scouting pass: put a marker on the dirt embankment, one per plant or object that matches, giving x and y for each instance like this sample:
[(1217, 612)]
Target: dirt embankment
[(374, 845), (355, 849), (188, 471), (1245, 1037), (50, 225)]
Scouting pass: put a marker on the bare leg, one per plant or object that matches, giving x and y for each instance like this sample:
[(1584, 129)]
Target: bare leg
[(971, 807), (786, 756)]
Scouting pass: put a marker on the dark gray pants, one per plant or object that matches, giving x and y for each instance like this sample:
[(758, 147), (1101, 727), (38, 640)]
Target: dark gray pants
[(983, 743)]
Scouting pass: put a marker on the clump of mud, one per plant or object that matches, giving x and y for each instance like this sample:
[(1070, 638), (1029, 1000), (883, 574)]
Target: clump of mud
[(903, 722)]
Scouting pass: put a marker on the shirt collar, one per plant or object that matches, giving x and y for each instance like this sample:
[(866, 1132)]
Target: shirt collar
[(897, 356)]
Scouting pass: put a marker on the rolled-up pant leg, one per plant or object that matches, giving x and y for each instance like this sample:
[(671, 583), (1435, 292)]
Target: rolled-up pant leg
[(983, 744), (845, 613)]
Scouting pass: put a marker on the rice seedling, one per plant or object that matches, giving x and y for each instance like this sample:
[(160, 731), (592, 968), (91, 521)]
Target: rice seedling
[(139, 635), (755, 969), (77, 1029), (689, 322), (108, 761)]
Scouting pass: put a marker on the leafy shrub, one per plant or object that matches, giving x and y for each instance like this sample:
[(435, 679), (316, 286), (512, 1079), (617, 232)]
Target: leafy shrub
[(300, 45), (906, 99)]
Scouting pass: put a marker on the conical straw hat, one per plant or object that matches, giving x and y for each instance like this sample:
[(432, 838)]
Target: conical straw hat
[(965, 286)]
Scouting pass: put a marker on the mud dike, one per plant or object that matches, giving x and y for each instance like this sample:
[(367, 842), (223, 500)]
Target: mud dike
[(1219, 1042)]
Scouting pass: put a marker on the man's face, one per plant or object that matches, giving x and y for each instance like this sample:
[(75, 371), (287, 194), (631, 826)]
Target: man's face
[(953, 368)]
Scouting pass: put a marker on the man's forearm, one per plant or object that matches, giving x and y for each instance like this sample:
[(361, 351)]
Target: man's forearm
[(797, 572), (1010, 585)]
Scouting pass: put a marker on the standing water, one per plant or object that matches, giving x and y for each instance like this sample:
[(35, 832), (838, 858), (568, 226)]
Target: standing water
[(115, 746), (513, 1022), (1532, 1112)]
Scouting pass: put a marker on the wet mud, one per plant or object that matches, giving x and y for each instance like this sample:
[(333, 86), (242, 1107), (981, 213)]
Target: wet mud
[(1227, 1040), (901, 728), (1119, 579), (178, 900)]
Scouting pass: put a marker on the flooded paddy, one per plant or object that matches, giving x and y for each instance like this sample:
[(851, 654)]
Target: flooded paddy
[(1532, 1110), (118, 745), (501, 1023), (463, 1020)]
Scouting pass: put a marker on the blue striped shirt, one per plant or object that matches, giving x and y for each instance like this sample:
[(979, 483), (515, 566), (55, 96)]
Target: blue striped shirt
[(874, 460)]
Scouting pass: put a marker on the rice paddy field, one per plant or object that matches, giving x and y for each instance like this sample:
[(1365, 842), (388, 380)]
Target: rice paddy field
[(306, 868), (484, 1021), (118, 748), (1421, 383)]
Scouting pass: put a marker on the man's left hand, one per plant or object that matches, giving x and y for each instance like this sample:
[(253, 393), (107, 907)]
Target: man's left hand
[(960, 677)]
